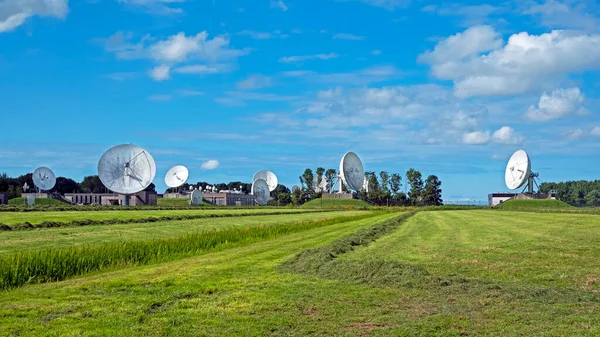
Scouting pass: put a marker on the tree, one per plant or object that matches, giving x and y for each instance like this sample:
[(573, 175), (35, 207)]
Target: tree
[(306, 179), (415, 180), (385, 180), (92, 184), (330, 175), (593, 198), (395, 183), (65, 185), (432, 194), (151, 188), (284, 198), (297, 197), (320, 172)]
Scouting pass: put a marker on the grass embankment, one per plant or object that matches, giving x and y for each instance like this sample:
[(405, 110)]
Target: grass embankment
[(234, 292), (15, 241), (56, 264), (38, 201), (179, 202), (13, 218), (330, 203), (535, 204)]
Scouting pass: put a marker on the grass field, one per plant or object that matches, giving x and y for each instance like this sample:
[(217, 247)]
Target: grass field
[(446, 273), (328, 203), (548, 204), (15, 241), (38, 201), (10, 218), (177, 202)]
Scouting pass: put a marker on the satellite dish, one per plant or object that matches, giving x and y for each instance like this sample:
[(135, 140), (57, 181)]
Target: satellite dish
[(44, 178), (267, 176), (366, 185), (31, 200), (176, 176), (126, 169), (320, 187), (518, 170), (352, 171), (196, 198), (25, 187), (260, 189)]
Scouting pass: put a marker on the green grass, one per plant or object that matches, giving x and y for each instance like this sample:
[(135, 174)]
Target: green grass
[(178, 202), (530, 205), (330, 203), (15, 241), (11, 218), (469, 273), (38, 201)]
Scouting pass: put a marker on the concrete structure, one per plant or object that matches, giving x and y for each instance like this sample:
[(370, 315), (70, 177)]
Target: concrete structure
[(337, 196), (3, 198), (495, 199), (106, 199), (229, 199)]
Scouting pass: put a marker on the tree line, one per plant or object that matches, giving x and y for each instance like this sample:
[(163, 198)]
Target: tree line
[(576, 193), (382, 189)]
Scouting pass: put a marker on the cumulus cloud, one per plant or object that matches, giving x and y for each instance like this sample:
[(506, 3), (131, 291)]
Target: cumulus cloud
[(595, 131), (14, 13), (557, 104), (506, 135), (476, 137), (480, 64), (210, 164), (175, 50), (160, 73), (279, 4), (254, 82)]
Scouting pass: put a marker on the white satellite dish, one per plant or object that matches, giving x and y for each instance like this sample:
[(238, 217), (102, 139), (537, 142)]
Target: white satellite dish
[(352, 172), (31, 200), (176, 176), (44, 179), (518, 170), (320, 187), (267, 176), (126, 169), (260, 189), (196, 198)]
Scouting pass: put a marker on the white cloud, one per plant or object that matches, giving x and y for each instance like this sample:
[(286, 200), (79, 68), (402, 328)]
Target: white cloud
[(329, 94), (476, 138), (480, 66), (555, 14), (575, 134), (158, 7), (13, 13), (161, 73), (344, 36), (293, 59), (263, 35), (557, 104), (595, 131), (175, 50), (254, 82), (359, 77), (210, 164), (279, 4), (506, 135)]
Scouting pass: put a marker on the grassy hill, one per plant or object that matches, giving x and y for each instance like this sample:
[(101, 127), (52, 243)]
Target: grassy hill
[(178, 202), (337, 204), (38, 201), (537, 204)]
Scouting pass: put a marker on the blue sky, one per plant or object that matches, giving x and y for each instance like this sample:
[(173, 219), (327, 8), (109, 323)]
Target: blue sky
[(451, 89)]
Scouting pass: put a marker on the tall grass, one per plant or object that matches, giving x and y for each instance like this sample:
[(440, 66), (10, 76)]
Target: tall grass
[(57, 264)]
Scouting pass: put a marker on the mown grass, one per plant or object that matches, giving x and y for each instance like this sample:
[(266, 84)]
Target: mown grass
[(330, 203), (178, 202), (14, 241), (55, 264), (38, 201), (12, 218), (528, 205)]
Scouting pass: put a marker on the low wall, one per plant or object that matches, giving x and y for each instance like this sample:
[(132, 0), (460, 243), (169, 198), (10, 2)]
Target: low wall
[(337, 196)]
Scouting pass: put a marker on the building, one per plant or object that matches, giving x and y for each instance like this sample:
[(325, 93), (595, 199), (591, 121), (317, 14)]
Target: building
[(106, 199), (495, 199), (337, 196), (229, 199), (3, 198)]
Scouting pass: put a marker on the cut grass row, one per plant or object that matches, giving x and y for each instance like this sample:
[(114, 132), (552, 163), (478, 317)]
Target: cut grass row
[(11, 218), (14, 241), (55, 264)]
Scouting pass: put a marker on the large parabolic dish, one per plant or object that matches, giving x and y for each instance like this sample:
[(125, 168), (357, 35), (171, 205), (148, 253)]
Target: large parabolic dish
[(267, 176), (196, 197), (517, 170), (352, 171), (176, 176), (260, 189), (44, 178), (126, 169)]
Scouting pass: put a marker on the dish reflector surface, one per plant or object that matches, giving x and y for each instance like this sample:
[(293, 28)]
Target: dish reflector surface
[(126, 169), (352, 171), (196, 197), (517, 170), (260, 189), (267, 176), (176, 176), (31, 200), (44, 178)]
